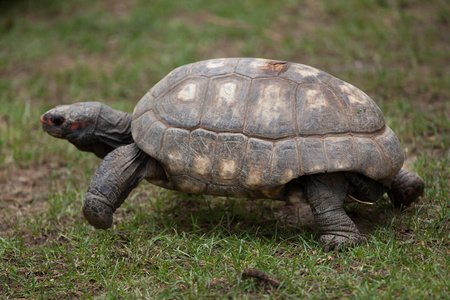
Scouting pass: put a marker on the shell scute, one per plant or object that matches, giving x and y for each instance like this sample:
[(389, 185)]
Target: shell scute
[(304, 74), (312, 155), (257, 163), (230, 153), (370, 160), (340, 154), (171, 79), (319, 111), (285, 163), (144, 105), (363, 113), (271, 109), (188, 184), (151, 139), (389, 145), (175, 151), (202, 145), (225, 106), (182, 105)]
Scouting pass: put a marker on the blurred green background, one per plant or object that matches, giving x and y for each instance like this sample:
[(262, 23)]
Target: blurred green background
[(58, 52)]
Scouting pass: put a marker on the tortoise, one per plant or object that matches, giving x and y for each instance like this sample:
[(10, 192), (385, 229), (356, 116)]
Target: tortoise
[(246, 128)]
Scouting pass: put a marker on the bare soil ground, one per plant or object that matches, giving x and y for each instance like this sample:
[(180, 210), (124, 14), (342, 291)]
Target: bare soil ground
[(24, 192)]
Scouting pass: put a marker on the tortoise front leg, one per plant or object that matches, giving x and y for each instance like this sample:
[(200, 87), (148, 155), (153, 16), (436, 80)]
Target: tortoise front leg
[(326, 194), (119, 173)]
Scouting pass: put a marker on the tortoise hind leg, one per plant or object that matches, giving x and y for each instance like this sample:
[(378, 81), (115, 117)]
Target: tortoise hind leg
[(326, 194)]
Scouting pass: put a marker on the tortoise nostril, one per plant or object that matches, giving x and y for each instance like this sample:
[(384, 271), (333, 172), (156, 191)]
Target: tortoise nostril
[(57, 121)]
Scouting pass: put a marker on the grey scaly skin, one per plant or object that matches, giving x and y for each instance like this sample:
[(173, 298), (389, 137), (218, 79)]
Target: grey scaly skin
[(326, 194), (405, 188), (97, 128), (119, 173), (90, 126)]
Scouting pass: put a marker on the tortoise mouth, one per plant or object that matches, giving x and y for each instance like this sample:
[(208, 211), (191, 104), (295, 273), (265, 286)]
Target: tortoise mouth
[(51, 130), (52, 124)]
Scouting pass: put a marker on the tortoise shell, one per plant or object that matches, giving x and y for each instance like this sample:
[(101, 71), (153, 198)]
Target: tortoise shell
[(245, 127)]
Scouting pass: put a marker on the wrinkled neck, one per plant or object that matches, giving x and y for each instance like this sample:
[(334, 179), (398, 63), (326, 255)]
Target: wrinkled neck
[(113, 127)]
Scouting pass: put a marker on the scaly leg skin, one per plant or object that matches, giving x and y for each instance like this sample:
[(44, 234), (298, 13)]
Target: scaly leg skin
[(326, 194), (364, 188), (121, 171)]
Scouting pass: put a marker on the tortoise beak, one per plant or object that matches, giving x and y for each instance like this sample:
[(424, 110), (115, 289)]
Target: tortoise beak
[(52, 124)]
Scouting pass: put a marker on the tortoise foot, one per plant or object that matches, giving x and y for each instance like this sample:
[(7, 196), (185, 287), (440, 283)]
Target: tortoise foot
[(97, 212), (340, 242)]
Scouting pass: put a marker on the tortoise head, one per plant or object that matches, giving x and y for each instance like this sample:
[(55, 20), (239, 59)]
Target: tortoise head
[(90, 126), (75, 122)]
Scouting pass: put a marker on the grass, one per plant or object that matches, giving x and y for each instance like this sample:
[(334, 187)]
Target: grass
[(169, 245)]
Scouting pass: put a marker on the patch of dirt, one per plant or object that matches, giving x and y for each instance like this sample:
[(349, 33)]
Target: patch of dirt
[(117, 8), (299, 213), (24, 192)]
